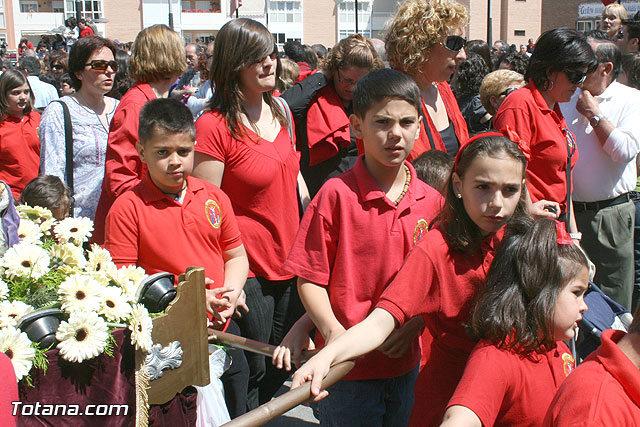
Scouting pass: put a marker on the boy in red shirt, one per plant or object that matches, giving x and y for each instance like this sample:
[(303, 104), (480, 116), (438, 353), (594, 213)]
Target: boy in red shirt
[(353, 240), (170, 221)]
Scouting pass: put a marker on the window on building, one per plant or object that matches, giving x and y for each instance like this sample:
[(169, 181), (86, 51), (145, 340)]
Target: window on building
[(280, 37), (519, 33), (583, 26), (28, 6), (3, 24), (285, 11), (347, 18), (57, 6), (90, 8)]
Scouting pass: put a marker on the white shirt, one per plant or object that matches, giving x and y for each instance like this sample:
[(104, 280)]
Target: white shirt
[(43, 92), (606, 171)]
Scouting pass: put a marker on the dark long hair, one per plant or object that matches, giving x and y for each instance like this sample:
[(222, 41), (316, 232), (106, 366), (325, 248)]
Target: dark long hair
[(10, 80), (460, 231), (239, 44), (515, 309)]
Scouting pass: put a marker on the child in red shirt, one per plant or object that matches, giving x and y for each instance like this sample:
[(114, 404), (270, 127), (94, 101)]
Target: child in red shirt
[(170, 221), (378, 209), (532, 300), (441, 275)]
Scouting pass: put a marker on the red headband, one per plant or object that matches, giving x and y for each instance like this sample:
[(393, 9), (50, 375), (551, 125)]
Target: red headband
[(564, 238), (507, 132)]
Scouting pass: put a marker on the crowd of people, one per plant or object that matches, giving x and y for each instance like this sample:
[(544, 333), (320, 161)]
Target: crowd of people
[(431, 206)]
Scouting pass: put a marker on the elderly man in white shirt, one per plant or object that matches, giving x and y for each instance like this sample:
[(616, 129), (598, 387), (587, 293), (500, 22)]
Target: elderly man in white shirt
[(605, 117)]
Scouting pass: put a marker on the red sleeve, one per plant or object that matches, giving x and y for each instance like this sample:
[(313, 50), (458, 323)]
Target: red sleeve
[(8, 391), (485, 383), (314, 249), (519, 121), (123, 167), (121, 232), (230, 233), (402, 298), (211, 135)]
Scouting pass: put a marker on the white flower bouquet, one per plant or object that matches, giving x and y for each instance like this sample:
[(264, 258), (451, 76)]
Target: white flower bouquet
[(50, 269)]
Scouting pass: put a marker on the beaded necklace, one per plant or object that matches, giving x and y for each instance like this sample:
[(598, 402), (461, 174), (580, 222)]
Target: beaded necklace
[(407, 181)]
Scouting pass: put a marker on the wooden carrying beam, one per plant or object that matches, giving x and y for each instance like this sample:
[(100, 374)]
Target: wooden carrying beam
[(185, 320)]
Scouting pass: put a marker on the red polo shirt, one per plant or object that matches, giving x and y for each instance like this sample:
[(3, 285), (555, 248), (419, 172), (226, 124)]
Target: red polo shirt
[(149, 229), (603, 391), (441, 285), (260, 178), (348, 224), (542, 141), (8, 392), (123, 168), (504, 388), (19, 151)]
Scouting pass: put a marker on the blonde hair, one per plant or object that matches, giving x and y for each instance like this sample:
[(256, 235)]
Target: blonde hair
[(417, 26), (495, 83), (290, 72), (352, 51), (616, 9), (157, 54)]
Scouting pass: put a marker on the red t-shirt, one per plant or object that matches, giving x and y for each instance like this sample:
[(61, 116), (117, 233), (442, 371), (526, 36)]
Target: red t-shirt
[(423, 144), (441, 285), (260, 178), (504, 388), (603, 391), (86, 31), (123, 168), (542, 141), (348, 224), (8, 392), (19, 151), (149, 229)]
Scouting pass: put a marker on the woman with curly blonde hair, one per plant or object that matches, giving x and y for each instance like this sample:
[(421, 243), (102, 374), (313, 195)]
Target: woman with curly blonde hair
[(424, 40), (321, 105)]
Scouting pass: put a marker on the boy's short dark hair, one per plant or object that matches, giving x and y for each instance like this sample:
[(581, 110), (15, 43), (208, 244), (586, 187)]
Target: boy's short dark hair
[(46, 191), (165, 113), (384, 83), (434, 167)]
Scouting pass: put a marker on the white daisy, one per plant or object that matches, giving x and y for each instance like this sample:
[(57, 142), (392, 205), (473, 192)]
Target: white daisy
[(74, 230), (34, 213), (26, 260), (12, 311), (46, 227), (129, 278), (141, 326), (68, 256), (80, 292), (29, 231), (114, 305), (17, 346), (83, 337), (4, 290), (99, 261)]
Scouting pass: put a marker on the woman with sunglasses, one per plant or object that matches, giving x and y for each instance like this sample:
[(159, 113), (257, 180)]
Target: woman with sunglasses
[(91, 68), (157, 60), (559, 64), (321, 105), (425, 41)]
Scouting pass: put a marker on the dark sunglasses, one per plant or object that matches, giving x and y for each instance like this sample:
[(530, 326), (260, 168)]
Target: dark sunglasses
[(101, 65), (455, 43), (58, 67), (576, 77), (620, 35), (508, 91)]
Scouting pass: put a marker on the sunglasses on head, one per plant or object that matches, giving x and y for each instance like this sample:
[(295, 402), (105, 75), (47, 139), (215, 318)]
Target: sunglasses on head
[(576, 77), (455, 43), (101, 65)]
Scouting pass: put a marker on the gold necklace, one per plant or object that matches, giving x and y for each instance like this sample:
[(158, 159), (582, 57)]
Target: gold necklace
[(407, 181)]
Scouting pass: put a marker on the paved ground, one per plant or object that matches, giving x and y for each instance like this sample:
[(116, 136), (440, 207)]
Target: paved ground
[(300, 416)]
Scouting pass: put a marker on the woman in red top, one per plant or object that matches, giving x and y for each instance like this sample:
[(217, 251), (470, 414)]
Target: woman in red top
[(244, 146), (533, 299), (19, 142), (425, 41), (441, 276), (321, 105), (559, 64), (157, 60)]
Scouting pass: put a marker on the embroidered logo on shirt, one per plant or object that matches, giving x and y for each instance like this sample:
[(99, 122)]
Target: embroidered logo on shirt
[(421, 227), (568, 363), (212, 211)]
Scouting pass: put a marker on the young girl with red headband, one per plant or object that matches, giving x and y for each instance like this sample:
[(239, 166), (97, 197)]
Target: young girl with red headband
[(442, 275), (533, 299)]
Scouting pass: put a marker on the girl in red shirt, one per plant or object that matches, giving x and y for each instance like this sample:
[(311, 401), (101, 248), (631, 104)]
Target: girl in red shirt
[(532, 300), (442, 275), (244, 146), (19, 142)]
